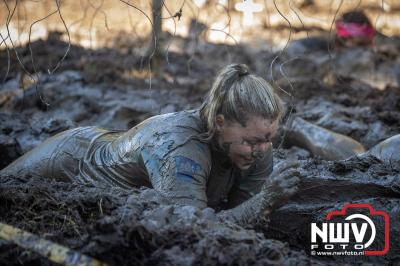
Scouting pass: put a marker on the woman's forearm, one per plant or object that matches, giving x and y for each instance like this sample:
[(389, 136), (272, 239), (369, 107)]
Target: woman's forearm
[(254, 209), (278, 187)]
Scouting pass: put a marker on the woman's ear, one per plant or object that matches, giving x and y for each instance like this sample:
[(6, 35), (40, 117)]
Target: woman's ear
[(220, 122)]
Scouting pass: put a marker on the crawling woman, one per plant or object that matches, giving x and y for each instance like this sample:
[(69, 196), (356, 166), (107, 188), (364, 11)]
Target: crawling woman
[(218, 156)]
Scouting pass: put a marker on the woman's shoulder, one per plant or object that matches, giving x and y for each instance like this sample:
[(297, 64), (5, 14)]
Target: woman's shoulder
[(175, 134), (187, 121), (177, 127)]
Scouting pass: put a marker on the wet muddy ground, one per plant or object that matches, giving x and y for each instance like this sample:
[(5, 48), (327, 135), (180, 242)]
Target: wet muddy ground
[(353, 91), (126, 228)]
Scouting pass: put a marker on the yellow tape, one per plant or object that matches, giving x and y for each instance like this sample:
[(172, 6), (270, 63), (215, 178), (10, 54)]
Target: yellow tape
[(54, 252)]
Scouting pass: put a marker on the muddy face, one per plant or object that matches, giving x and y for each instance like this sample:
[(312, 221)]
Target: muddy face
[(244, 144)]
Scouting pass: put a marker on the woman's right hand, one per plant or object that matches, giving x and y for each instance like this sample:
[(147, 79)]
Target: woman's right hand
[(282, 183)]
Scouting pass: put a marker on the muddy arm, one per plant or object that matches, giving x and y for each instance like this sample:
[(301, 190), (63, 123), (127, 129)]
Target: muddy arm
[(279, 187), (256, 208), (321, 141), (179, 175)]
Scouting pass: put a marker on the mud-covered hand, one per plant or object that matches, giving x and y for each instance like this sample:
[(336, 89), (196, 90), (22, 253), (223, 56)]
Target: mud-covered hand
[(278, 187), (281, 184)]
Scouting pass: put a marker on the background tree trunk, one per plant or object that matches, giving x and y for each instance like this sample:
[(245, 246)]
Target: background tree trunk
[(157, 39)]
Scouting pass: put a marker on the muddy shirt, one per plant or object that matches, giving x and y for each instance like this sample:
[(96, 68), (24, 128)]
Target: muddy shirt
[(159, 152)]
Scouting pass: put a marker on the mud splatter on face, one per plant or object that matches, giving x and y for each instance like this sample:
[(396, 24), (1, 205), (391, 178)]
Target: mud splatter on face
[(226, 147)]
